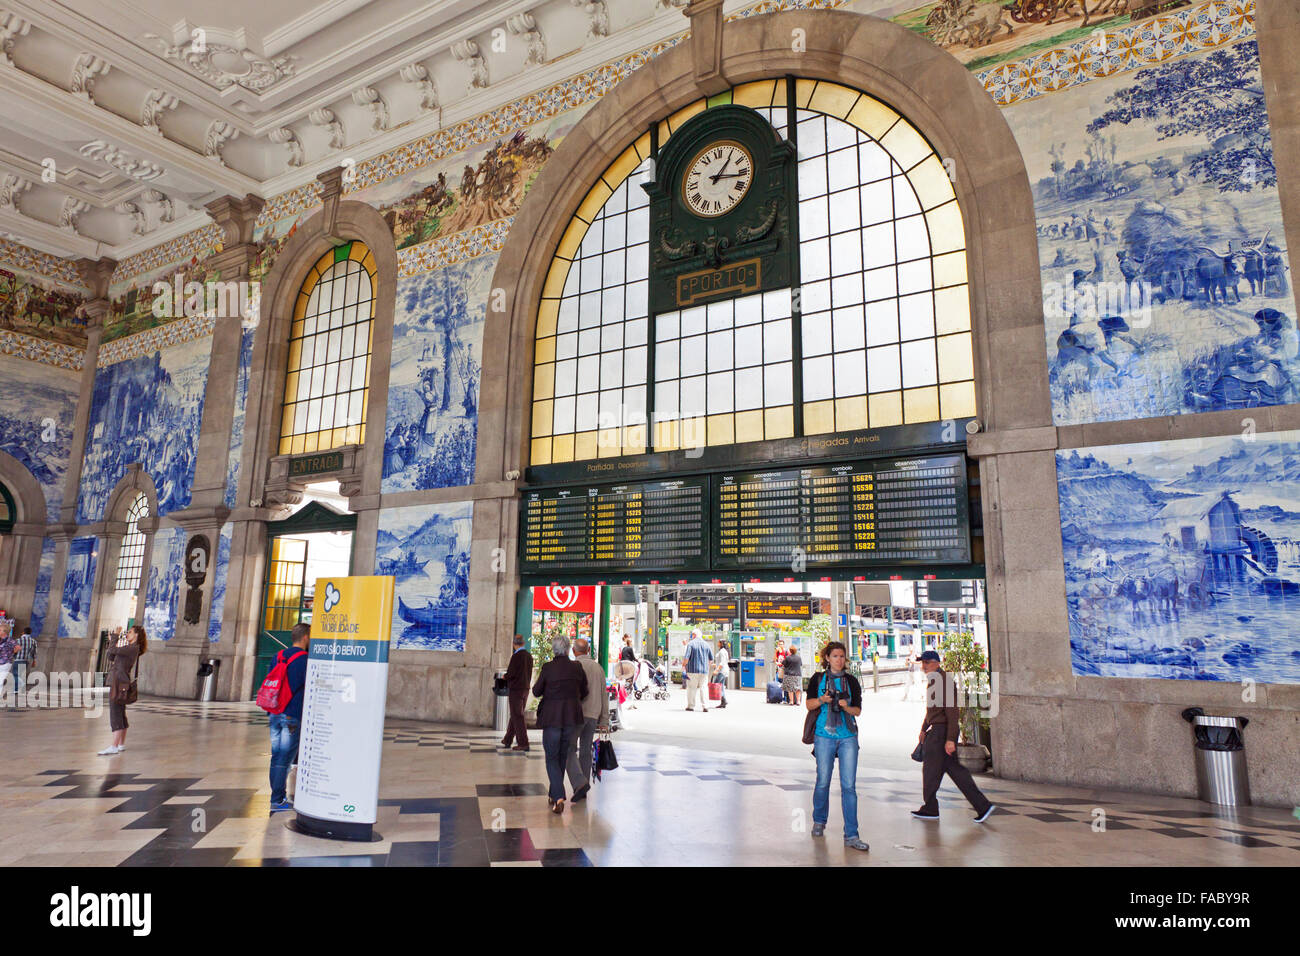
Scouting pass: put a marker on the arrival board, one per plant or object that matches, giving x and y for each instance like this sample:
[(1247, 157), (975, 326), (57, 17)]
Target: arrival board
[(895, 511), (658, 525)]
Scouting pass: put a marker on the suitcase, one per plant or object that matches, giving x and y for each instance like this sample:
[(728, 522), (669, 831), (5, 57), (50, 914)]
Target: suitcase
[(715, 691), (775, 695)]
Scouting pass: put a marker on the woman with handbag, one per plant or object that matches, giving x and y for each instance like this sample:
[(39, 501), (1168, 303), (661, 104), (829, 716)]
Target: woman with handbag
[(560, 688), (123, 668), (834, 702)]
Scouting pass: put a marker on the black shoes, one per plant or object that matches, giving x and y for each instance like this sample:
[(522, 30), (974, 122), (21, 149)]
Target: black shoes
[(986, 814), (923, 815), (581, 793)]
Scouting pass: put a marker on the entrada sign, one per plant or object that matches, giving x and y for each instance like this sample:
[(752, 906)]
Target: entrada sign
[(317, 464)]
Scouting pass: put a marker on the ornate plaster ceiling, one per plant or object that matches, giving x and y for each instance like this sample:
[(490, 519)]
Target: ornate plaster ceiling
[(123, 117)]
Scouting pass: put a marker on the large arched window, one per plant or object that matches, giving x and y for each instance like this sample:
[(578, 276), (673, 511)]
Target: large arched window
[(328, 378), (130, 561), (8, 511), (882, 314)]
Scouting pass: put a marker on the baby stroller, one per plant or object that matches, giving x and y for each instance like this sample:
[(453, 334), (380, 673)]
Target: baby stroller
[(653, 681)]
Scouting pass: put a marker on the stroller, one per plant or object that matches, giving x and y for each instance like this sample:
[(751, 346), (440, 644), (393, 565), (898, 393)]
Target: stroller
[(648, 680)]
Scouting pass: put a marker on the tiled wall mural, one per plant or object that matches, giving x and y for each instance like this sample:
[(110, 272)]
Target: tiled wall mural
[(1162, 177), (44, 578), (1182, 558), (41, 310), (38, 405), (237, 425), (221, 569), (426, 548), (148, 410), (78, 583), (433, 386), (165, 569)]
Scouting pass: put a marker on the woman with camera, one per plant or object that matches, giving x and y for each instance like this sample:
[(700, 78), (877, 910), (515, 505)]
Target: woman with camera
[(122, 658), (836, 696)]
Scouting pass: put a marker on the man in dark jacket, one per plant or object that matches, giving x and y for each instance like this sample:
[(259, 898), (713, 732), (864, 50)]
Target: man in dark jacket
[(939, 732), (561, 686), (518, 676), (286, 727)]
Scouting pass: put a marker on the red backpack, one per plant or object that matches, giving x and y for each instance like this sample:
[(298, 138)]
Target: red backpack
[(274, 694)]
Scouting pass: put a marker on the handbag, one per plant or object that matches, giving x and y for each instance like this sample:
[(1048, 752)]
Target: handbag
[(132, 691), (919, 753), (606, 759), (810, 720)]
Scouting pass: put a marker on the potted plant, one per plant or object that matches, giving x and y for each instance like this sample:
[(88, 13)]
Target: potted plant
[(964, 659)]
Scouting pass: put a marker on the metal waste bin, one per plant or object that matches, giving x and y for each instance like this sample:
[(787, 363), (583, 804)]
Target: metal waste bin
[(501, 715), (207, 679), (733, 674), (1220, 758)]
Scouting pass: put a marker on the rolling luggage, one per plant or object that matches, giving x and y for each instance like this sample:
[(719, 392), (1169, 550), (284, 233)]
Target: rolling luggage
[(775, 695)]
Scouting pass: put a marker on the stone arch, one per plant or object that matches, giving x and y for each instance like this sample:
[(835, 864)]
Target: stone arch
[(929, 87), (29, 497), (337, 222), (123, 495)]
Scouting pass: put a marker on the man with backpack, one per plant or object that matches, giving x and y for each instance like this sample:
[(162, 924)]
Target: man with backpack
[(281, 696)]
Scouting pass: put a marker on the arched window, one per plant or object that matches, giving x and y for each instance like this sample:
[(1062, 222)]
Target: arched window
[(130, 563), (883, 305), (8, 511), (328, 378)]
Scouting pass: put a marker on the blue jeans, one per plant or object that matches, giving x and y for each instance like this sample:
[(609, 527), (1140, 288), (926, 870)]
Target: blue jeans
[(284, 751), (558, 742), (826, 749)]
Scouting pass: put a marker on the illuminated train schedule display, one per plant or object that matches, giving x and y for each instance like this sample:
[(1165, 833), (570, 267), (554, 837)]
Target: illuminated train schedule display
[(659, 525), (895, 512)]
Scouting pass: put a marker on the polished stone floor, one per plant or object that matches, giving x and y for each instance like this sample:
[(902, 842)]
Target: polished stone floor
[(191, 789)]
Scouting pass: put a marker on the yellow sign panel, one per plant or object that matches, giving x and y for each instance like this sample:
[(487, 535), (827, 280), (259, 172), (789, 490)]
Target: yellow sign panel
[(355, 615)]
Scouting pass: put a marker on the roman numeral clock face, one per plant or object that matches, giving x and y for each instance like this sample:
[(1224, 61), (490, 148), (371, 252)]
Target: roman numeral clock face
[(717, 179)]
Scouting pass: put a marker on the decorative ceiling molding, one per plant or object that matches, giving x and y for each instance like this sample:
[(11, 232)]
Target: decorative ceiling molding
[(84, 71), (71, 211), (325, 117), (126, 164), (370, 97), (12, 27), (224, 65), (524, 25), (597, 18), (418, 75), (11, 187), (217, 135), (167, 208), (287, 137), (155, 104), (467, 51), (133, 211)]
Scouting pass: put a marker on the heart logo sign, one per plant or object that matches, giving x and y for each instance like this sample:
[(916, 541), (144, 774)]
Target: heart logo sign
[(332, 595), (563, 597)]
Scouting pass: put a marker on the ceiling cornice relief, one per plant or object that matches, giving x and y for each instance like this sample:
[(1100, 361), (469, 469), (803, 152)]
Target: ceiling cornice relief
[(370, 97), (225, 64), (524, 25), (157, 102), (11, 187), (325, 118), (132, 210), (126, 164), (597, 18), (166, 208), (217, 135), (417, 74), (284, 136), (71, 212), (12, 27), (84, 71), (467, 51)]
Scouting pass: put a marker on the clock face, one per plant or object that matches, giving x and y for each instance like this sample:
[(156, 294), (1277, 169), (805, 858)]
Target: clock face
[(717, 179)]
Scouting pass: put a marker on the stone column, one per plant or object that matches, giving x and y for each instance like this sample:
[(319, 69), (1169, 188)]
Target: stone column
[(97, 275), (207, 511)]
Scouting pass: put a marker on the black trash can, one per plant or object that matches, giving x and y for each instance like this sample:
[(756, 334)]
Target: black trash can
[(1220, 758), (501, 713), (207, 679)]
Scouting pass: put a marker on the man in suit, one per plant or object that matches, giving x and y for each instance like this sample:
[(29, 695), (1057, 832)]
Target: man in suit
[(518, 676)]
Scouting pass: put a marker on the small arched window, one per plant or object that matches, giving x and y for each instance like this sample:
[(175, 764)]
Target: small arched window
[(328, 380), (130, 563), (8, 512)]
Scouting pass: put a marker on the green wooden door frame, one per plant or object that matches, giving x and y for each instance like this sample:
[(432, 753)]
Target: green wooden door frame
[(10, 515)]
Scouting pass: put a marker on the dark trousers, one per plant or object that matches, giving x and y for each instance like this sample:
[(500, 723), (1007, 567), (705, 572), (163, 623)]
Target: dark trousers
[(938, 762), (517, 729), (579, 763), (558, 743)]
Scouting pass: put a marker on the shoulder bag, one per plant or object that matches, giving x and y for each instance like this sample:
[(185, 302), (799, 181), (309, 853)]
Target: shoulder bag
[(131, 692), (810, 719)]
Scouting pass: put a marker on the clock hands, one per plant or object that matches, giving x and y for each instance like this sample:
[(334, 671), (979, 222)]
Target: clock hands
[(719, 174)]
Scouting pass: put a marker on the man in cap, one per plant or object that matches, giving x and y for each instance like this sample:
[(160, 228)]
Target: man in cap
[(939, 741)]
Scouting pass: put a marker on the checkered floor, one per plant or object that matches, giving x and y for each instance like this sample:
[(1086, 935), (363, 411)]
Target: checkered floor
[(191, 790)]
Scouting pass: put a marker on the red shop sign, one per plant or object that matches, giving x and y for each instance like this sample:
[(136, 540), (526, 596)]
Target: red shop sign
[(565, 597)]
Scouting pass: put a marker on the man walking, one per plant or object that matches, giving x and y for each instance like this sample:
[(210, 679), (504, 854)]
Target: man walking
[(595, 714), (24, 660), (8, 649), (519, 675), (286, 726), (720, 668), (698, 658), (939, 740)]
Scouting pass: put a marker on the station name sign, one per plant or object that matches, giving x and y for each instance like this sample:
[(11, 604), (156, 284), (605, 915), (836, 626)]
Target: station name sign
[(735, 279), (315, 464)]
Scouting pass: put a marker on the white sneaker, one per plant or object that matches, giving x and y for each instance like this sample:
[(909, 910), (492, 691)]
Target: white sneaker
[(110, 751)]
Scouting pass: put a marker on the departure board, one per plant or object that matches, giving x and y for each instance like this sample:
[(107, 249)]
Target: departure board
[(783, 609), (721, 609), (658, 525), (894, 511)]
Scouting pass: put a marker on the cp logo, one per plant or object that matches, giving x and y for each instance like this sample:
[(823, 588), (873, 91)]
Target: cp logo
[(563, 597), (332, 595), (349, 808)]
